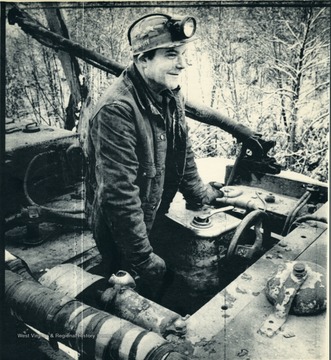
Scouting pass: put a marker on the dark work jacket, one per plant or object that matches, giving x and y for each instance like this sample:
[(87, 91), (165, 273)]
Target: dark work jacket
[(137, 162)]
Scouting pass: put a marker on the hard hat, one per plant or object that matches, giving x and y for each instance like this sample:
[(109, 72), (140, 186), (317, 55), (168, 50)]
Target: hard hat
[(155, 31)]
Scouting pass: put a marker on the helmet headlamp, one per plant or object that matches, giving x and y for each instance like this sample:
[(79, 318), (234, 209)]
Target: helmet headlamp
[(183, 28), (156, 31)]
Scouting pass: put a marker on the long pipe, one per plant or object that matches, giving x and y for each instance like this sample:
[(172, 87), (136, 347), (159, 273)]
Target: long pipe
[(312, 217), (199, 112), (119, 300), (298, 206), (18, 266), (89, 331)]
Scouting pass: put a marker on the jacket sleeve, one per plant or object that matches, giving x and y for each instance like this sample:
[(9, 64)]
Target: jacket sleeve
[(113, 135)]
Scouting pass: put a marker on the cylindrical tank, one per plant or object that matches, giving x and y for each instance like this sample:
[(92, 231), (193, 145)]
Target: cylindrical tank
[(113, 297), (87, 330), (195, 253), (128, 304), (72, 281), (17, 265)]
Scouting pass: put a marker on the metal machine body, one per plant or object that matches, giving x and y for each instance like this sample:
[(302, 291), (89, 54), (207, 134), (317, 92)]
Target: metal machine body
[(211, 277), (198, 245)]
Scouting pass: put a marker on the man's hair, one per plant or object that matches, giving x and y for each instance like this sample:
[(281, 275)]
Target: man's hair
[(148, 54)]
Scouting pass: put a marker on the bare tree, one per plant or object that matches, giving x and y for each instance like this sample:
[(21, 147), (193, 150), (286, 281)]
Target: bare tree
[(295, 45)]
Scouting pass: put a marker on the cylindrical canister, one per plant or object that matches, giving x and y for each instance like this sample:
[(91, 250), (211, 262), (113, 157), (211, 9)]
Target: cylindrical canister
[(87, 330), (72, 281), (197, 260), (129, 305), (119, 300)]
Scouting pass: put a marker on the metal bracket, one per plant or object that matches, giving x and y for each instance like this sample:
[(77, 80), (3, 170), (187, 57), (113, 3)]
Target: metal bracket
[(284, 300)]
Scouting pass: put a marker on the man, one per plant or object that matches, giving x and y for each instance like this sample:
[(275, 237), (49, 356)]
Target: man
[(139, 151)]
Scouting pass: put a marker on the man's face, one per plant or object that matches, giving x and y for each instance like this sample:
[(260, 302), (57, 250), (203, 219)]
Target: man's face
[(163, 71)]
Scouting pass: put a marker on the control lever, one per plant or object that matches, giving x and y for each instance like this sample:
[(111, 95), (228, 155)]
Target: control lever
[(216, 211), (204, 218)]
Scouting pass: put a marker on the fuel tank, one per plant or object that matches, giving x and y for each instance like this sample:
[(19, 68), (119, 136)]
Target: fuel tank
[(193, 245)]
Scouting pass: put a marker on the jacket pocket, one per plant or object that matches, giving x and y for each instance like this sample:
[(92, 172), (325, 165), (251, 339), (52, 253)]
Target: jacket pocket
[(147, 173)]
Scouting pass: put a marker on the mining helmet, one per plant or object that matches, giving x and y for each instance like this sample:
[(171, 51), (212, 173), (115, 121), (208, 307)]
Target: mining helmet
[(155, 31)]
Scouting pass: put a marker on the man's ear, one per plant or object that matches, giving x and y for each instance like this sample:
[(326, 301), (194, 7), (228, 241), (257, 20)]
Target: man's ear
[(142, 60)]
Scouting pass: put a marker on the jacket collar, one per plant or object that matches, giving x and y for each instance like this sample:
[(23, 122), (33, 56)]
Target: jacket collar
[(144, 95)]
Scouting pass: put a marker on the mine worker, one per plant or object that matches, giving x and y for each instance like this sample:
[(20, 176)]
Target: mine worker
[(138, 148)]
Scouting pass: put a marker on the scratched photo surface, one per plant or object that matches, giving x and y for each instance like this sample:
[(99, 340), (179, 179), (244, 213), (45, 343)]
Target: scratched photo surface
[(164, 179)]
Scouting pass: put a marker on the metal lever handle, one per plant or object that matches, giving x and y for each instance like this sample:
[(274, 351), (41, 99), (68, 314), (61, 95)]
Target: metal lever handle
[(213, 212)]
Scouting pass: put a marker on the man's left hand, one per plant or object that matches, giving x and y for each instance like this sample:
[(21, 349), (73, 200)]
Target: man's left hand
[(213, 192)]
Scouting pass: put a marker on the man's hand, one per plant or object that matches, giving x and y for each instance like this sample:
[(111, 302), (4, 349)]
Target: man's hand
[(152, 269), (213, 192)]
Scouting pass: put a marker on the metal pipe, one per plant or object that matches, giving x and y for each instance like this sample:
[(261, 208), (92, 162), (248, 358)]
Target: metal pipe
[(312, 217), (298, 206), (18, 266), (83, 328), (115, 298)]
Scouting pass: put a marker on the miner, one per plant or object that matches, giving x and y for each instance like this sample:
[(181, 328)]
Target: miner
[(139, 151)]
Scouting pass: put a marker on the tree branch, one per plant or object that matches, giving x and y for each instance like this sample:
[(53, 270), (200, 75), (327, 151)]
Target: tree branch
[(44, 36), (313, 123)]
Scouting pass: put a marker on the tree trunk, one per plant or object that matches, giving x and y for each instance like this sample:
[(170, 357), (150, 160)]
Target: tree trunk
[(296, 87), (70, 66)]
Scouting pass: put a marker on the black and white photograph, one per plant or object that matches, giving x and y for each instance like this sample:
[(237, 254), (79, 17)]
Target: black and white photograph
[(164, 180)]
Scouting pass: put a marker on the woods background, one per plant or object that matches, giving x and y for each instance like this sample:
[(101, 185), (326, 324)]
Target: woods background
[(266, 67)]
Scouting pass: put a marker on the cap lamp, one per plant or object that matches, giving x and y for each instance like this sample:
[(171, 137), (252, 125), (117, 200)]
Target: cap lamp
[(155, 31)]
